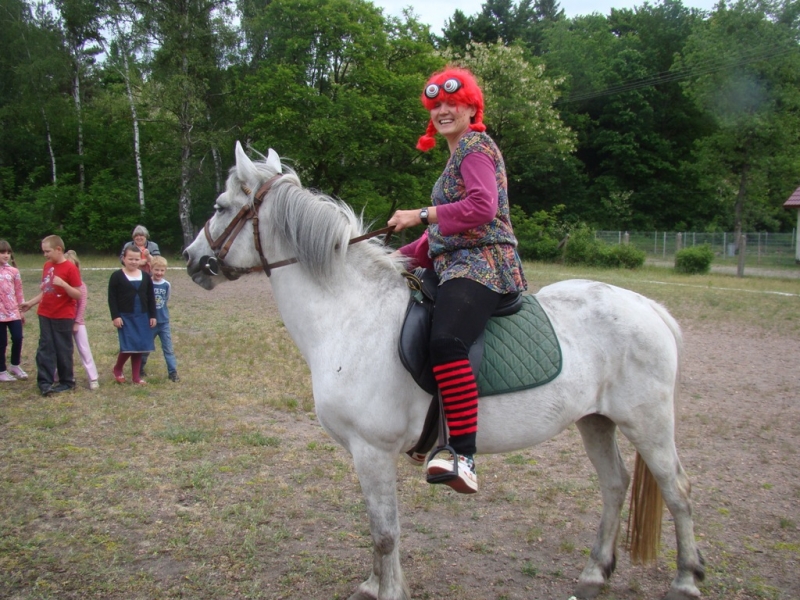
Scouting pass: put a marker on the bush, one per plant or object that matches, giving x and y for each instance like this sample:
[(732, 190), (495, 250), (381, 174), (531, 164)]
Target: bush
[(538, 234), (622, 256), (584, 249), (696, 259)]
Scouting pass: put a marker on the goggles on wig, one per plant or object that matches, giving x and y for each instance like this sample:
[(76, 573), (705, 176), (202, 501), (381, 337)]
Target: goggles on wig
[(451, 85)]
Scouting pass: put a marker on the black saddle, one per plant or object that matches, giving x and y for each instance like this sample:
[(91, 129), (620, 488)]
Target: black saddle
[(416, 332)]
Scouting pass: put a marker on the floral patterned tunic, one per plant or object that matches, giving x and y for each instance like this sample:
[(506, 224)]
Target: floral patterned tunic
[(486, 254)]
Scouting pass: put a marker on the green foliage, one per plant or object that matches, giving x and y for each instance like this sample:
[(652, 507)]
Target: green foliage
[(539, 234), (694, 260), (583, 249), (580, 107)]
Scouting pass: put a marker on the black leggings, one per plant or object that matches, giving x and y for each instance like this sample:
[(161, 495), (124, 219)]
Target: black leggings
[(463, 308)]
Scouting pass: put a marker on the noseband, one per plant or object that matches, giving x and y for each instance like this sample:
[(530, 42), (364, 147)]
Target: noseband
[(213, 265)]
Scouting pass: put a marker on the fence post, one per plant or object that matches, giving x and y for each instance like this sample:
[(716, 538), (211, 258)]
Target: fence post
[(626, 239), (678, 242)]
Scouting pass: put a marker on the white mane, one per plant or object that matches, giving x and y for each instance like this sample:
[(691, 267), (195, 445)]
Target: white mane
[(313, 227)]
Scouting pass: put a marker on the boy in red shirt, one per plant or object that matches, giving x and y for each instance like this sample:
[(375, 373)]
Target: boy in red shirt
[(58, 301)]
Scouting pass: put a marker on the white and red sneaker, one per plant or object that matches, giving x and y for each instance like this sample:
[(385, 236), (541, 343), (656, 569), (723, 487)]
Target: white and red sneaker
[(467, 480)]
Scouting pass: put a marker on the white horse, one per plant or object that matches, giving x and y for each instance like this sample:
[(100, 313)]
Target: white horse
[(343, 305)]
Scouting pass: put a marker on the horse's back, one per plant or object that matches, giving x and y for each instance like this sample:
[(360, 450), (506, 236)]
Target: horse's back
[(620, 342), (583, 307)]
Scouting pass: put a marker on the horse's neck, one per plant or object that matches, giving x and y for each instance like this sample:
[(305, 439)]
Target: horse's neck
[(321, 319)]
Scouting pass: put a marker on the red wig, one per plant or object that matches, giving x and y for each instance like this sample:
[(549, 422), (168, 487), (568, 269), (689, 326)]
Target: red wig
[(468, 93)]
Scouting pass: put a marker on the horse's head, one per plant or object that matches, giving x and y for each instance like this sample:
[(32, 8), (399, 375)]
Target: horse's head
[(227, 247)]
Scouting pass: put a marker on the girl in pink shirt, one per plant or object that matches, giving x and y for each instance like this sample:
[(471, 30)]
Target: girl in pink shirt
[(11, 319)]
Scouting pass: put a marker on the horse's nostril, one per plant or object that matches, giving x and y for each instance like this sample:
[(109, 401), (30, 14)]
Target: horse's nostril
[(186, 256)]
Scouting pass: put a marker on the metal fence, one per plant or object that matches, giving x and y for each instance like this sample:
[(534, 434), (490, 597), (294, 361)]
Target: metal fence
[(760, 249)]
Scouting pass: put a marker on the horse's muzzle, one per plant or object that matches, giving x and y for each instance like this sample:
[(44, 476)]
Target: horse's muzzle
[(210, 265)]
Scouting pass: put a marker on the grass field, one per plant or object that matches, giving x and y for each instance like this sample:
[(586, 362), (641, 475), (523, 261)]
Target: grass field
[(223, 486)]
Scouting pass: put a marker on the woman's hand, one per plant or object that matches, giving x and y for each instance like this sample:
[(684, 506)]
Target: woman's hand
[(117, 322), (402, 219)]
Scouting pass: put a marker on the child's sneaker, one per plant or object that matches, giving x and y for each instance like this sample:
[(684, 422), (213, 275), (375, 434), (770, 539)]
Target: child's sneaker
[(5, 376), (467, 480), (94, 384), (17, 372)]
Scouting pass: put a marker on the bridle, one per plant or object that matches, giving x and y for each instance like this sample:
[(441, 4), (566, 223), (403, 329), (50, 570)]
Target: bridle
[(214, 265)]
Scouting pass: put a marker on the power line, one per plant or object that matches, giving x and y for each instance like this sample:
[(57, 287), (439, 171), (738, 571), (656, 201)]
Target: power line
[(701, 68)]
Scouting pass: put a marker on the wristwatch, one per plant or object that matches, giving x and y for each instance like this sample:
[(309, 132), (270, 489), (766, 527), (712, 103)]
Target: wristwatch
[(423, 216)]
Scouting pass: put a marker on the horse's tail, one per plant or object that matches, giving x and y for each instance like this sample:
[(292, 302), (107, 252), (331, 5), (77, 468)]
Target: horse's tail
[(647, 503), (644, 517)]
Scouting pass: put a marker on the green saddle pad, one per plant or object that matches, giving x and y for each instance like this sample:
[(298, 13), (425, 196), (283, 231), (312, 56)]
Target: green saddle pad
[(521, 351)]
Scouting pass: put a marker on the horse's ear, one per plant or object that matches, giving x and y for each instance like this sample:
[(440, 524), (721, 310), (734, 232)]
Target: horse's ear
[(245, 169), (274, 161)]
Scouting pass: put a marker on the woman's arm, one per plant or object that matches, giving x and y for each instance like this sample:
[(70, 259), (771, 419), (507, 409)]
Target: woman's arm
[(479, 204), (417, 251)]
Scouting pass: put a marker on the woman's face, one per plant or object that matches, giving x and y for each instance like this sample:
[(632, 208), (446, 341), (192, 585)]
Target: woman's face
[(452, 120), (140, 240)]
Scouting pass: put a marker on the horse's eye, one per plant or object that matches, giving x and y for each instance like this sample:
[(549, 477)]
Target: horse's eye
[(218, 208)]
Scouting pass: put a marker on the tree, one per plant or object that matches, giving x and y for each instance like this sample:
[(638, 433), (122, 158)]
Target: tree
[(337, 91), (637, 129), (81, 22), (746, 76), (185, 63)]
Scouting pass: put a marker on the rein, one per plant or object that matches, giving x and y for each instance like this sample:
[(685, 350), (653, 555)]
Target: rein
[(213, 265)]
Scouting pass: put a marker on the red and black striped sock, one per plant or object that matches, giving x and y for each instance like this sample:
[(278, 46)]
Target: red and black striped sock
[(460, 399)]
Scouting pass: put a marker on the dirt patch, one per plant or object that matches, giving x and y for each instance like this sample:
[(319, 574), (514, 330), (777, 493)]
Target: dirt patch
[(527, 533), (225, 486)]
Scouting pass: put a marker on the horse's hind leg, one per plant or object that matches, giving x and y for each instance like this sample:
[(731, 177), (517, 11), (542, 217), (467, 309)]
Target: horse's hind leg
[(599, 440), (377, 473), (662, 459)]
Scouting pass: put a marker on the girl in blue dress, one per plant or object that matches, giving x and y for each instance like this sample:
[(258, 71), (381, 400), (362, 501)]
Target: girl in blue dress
[(132, 303)]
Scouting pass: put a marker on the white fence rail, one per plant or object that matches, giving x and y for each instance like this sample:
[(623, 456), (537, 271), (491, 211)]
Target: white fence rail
[(761, 248)]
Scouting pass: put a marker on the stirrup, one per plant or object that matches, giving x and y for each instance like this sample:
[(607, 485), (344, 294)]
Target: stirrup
[(443, 477)]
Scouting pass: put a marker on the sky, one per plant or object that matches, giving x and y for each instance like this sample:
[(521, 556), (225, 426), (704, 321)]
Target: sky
[(436, 12)]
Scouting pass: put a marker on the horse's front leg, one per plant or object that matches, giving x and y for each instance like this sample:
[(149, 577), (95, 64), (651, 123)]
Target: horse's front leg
[(377, 473)]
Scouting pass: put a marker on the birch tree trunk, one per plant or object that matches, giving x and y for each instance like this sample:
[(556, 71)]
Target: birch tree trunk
[(137, 156), (50, 146), (76, 95)]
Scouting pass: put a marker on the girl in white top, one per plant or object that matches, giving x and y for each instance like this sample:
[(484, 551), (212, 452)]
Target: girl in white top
[(79, 333)]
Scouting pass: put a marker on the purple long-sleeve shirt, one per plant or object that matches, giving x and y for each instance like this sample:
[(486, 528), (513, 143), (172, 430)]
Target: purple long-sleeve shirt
[(479, 206)]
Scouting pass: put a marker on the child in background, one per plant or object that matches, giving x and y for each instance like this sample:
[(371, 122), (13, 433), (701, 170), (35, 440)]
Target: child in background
[(79, 329), (58, 300), (11, 319), (162, 288), (133, 312)]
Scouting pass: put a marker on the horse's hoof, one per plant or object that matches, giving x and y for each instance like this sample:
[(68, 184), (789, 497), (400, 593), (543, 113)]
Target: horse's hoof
[(359, 595), (587, 591), (680, 595)]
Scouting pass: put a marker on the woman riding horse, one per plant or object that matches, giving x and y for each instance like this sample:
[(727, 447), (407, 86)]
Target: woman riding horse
[(471, 245)]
